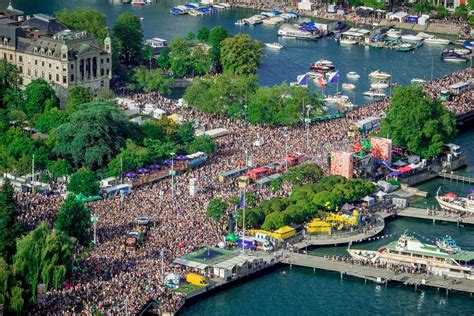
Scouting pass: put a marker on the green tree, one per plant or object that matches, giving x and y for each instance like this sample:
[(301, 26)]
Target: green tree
[(461, 11), (180, 57), (154, 80), (216, 35), (10, 227), (50, 119), (326, 200), (423, 6), (74, 219), (85, 19), (129, 33), (303, 174), (202, 143), (240, 54), (85, 182), (190, 36), (275, 220), (76, 97), (430, 125), (148, 55), (94, 135), (201, 60), (159, 150), (131, 158), (43, 256), (164, 59), (10, 80), (441, 11), (203, 34), (216, 209), (39, 95), (59, 168), (185, 134)]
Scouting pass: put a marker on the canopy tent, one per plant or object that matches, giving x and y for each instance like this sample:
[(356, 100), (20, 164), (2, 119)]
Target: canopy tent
[(347, 207), (369, 200), (400, 16), (405, 169), (380, 194), (399, 163), (83, 199)]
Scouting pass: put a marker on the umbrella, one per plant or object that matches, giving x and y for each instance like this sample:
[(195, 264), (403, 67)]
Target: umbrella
[(450, 195), (167, 162), (181, 244), (154, 166), (143, 170), (130, 174), (181, 157)]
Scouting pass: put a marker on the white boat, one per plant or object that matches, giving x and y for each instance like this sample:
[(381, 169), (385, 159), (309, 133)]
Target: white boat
[(462, 51), (452, 202), (293, 32), (375, 94), (393, 34), (331, 99), (443, 259), (347, 41), (417, 81), (348, 86), (274, 45), (352, 75), (377, 74), (240, 22), (411, 38), (437, 40), (379, 85)]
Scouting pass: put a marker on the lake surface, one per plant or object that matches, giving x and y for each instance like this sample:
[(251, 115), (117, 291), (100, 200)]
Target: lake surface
[(300, 291), (278, 66)]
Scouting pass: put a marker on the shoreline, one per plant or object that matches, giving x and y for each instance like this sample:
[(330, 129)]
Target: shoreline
[(449, 29)]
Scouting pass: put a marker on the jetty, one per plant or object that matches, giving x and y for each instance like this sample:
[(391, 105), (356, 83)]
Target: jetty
[(379, 275), (434, 216), (456, 177)]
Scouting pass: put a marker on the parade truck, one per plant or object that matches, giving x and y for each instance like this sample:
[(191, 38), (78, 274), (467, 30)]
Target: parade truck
[(294, 159), (133, 241)]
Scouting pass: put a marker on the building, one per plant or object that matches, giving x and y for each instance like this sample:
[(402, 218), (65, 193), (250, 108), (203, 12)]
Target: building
[(42, 47)]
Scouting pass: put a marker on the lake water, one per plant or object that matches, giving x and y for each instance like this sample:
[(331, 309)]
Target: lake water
[(300, 291), (278, 66)]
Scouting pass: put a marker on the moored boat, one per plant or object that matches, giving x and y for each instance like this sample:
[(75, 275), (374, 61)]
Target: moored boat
[(352, 75), (322, 66), (377, 74), (417, 81), (411, 38), (405, 47), (379, 85), (393, 34), (348, 86), (375, 94), (274, 45), (452, 202)]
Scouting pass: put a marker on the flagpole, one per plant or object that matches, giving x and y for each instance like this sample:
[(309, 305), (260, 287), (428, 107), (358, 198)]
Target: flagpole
[(243, 223)]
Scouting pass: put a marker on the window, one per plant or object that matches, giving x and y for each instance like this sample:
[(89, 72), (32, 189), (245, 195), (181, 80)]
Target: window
[(102, 72), (21, 69), (29, 72), (102, 83), (36, 62), (11, 56), (72, 66), (20, 59), (64, 79), (49, 65), (57, 78), (72, 77), (36, 73), (42, 63), (108, 60), (108, 72), (4, 55)]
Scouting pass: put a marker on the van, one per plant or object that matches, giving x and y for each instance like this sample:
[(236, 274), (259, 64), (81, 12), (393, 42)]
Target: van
[(196, 279)]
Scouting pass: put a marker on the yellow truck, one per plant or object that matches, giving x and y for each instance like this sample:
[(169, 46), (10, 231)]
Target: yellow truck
[(196, 279)]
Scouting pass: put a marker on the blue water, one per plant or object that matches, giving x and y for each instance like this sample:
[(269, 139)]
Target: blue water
[(300, 291), (278, 66)]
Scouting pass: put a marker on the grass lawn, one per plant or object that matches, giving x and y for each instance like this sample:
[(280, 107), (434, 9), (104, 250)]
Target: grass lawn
[(188, 288)]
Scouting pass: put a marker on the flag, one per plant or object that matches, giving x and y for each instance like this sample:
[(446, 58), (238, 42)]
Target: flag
[(334, 77), (241, 201), (321, 82)]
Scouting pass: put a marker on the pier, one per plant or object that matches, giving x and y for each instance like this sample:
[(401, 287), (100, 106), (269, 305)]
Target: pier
[(379, 275), (439, 216), (452, 176)]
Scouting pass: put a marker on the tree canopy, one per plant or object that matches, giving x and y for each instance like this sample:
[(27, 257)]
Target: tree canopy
[(74, 220), (129, 34), (241, 54), (93, 135), (39, 95), (76, 97), (85, 19), (85, 182), (216, 209), (216, 35), (10, 80), (150, 80), (429, 127), (10, 227)]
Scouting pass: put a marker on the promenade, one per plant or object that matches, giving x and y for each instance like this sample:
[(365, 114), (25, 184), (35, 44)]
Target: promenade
[(439, 216), (379, 275)]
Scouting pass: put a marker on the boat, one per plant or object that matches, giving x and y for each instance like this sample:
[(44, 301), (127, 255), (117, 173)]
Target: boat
[(348, 86), (274, 45), (453, 57), (293, 32), (138, 2), (411, 38), (436, 40), (322, 66), (352, 75), (240, 22), (393, 34), (417, 81), (443, 259), (379, 85), (347, 41), (463, 51), (405, 47), (452, 202), (377, 74), (176, 11), (375, 94)]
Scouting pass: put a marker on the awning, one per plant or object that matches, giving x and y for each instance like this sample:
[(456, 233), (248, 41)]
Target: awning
[(405, 169), (191, 264)]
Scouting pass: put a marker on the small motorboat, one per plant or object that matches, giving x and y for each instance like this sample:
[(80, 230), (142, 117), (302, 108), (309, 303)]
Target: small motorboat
[(274, 45), (352, 75), (379, 85), (377, 74), (322, 65), (240, 22), (347, 41), (463, 51), (452, 56), (393, 34), (417, 81), (375, 94), (411, 38), (405, 47), (138, 2), (348, 86), (331, 99), (437, 40)]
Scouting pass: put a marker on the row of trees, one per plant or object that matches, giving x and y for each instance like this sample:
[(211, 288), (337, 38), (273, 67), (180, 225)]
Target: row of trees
[(240, 96), (42, 256)]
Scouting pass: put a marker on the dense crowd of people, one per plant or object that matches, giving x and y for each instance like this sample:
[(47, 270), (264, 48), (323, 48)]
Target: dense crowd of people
[(110, 280), (397, 268)]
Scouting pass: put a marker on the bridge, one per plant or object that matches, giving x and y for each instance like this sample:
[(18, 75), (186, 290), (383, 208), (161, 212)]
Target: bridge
[(434, 216), (379, 275)]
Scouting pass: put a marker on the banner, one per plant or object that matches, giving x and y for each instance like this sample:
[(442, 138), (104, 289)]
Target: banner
[(381, 148), (341, 164)]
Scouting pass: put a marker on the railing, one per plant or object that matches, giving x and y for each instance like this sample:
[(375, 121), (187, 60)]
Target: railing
[(346, 234), (456, 177)]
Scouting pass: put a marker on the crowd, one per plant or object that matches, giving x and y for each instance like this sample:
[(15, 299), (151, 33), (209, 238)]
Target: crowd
[(397, 268), (109, 280)]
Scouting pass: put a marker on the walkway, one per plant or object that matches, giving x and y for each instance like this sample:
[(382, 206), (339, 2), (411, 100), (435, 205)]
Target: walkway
[(339, 239), (420, 213), (383, 276), (452, 176)]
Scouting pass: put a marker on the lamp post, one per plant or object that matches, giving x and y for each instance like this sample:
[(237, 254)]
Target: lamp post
[(172, 175), (307, 121), (285, 130)]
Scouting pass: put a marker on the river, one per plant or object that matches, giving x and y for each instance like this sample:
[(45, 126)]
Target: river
[(300, 291)]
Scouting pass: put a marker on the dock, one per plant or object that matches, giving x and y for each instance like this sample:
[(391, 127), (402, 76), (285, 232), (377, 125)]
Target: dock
[(439, 216), (379, 275), (456, 177)]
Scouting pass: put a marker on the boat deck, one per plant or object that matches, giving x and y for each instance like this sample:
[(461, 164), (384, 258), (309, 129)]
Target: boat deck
[(440, 216)]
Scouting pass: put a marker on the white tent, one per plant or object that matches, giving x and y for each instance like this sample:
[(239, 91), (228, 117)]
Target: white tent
[(400, 16)]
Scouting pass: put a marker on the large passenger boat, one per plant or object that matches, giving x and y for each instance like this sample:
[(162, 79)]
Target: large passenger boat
[(444, 259), (452, 202)]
